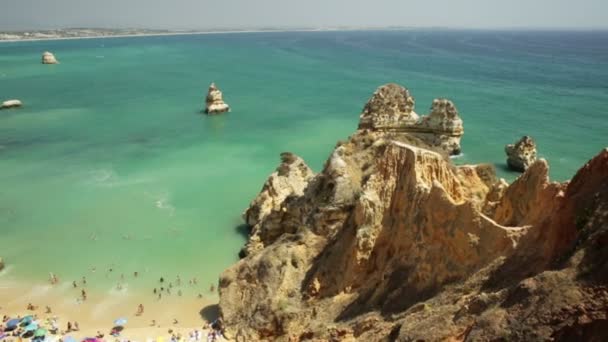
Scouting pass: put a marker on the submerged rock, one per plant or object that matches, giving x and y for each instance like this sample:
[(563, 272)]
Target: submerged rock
[(214, 103), (391, 109), (10, 104), (392, 241), (49, 58), (522, 154)]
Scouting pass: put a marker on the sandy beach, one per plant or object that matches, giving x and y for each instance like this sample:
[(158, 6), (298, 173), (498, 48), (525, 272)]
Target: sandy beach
[(178, 314)]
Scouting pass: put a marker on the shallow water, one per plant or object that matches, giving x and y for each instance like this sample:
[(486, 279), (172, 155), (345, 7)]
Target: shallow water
[(111, 165)]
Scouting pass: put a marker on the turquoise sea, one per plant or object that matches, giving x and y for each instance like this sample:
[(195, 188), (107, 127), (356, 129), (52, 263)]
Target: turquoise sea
[(110, 164)]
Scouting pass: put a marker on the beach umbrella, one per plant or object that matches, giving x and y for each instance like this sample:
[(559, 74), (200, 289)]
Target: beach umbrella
[(40, 333), (92, 339), (120, 321), (27, 320), (31, 327), (12, 323), (69, 339)]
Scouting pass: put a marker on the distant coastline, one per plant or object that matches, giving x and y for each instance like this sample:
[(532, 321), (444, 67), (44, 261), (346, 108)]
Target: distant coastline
[(70, 34), (93, 33)]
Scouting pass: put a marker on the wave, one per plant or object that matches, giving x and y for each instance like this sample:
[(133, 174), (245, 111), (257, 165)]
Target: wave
[(457, 156), (109, 178), (163, 203)]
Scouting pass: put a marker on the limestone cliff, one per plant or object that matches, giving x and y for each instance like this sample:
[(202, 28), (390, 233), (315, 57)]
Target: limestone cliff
[(214, 102), (522, 154), (391, 109), (49, 58), (392, 242)]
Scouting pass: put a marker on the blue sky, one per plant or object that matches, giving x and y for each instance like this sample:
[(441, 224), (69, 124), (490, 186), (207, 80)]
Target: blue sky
[(207, 14)]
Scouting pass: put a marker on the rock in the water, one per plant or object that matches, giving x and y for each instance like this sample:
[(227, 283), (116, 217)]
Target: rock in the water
[(10, 104), (49, 58), (393, 242), (522, 154), (391, 109), (214, 103)]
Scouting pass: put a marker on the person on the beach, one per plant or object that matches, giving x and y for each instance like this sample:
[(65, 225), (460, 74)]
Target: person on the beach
[(84, 294), (135, 274), (76, 327), (162, 280), (155, 290), (212, 288), (74, 284), (160, 295), (84, 281), (30, 307), (175, 321), (200, 296), (48, 309), (153, 322), (140, 310), (69, 329)]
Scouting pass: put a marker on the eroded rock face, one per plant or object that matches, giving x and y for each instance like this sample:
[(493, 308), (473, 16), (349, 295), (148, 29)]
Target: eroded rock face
[(289, 179), (49, 58), (391, 241), (391, 109), (10, 104), (214, 103), (522, 154)]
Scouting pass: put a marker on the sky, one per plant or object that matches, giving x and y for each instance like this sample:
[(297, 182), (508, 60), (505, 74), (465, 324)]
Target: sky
[(225, 14)]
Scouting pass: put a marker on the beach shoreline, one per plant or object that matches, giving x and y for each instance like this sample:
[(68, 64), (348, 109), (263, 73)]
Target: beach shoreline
[(179, 314)]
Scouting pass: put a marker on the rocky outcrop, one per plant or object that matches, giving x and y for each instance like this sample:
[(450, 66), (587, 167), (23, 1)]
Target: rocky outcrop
[(214, 103), (391, 109), (522, 154), (391, 241), (49, 58), (289, 179), (10, 104)]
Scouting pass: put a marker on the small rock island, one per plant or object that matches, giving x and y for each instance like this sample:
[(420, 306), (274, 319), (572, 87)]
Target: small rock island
[(49, 58), (10, 104), (522, 154), (214, 103)]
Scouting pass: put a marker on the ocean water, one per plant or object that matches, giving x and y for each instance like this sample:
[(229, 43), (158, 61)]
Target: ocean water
[(110, 164)]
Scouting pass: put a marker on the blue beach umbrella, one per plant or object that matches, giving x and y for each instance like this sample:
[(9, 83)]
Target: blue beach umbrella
[(27, 320), (120, 322), (31, 327), (69, 339), (12, 323)]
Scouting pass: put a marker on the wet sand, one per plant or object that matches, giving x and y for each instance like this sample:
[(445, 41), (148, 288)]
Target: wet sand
[(100, 310)]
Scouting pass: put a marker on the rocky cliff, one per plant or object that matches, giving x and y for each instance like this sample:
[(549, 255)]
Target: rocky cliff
[(214, 102), (391, 109), (392, 242), (49, 58), (522, 154)]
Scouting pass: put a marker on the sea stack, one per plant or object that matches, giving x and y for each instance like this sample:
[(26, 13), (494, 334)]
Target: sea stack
[(391, 109), (214, 103), (522, 154), (49, 58), (10, 104)]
